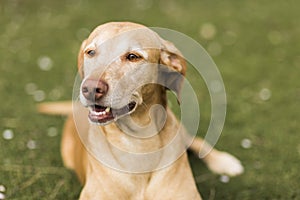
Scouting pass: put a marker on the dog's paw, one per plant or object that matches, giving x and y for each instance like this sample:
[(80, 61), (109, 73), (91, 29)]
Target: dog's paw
[(224, 163)]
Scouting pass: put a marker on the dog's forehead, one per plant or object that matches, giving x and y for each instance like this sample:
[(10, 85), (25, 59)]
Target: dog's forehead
[(119, 40)]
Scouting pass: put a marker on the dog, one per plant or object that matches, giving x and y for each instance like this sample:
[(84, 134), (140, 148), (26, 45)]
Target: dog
[(119, 64)]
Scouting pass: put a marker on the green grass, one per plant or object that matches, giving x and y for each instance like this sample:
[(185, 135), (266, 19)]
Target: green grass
[(260, 49)]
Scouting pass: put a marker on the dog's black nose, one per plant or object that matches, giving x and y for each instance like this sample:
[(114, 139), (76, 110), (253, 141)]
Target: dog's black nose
[(93, 89)]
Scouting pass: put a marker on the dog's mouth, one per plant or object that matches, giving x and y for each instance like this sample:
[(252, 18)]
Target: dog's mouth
[(103, 115)]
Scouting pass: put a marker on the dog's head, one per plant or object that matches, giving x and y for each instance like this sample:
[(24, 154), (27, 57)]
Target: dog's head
[(122, 65)]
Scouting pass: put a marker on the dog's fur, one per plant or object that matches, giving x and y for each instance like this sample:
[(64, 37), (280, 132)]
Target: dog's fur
[(103, 55)]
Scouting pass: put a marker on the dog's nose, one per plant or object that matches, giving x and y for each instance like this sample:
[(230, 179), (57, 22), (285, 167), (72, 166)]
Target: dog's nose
[(93, 89)]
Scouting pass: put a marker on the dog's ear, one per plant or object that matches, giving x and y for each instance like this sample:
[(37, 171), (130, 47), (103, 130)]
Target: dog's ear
[(172, 68), (80, 58)]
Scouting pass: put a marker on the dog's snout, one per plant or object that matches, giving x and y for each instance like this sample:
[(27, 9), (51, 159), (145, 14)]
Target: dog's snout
[(93, 90)]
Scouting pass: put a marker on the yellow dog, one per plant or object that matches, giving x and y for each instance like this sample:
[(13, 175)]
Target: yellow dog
[(105, 58)]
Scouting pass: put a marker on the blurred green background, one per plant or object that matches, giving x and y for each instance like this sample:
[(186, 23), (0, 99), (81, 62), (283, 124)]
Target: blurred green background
[(255, 44)]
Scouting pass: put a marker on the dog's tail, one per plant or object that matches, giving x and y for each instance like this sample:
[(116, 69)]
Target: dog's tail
[(56, 108)]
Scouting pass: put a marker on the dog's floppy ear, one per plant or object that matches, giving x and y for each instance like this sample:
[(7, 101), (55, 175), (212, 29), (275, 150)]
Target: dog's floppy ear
[(172, 67), (80, 58)]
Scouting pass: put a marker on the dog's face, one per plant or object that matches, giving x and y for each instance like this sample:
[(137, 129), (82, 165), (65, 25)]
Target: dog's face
[(119, 64)]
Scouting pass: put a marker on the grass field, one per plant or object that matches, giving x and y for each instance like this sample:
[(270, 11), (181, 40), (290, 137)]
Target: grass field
[(255, 44)]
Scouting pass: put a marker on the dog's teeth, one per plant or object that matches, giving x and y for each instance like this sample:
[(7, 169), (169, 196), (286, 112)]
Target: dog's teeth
[(100, 113), (96, 113), (107, 109)]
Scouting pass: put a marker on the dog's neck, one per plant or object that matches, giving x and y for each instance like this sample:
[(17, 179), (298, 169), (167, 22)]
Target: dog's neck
[(149, 117)]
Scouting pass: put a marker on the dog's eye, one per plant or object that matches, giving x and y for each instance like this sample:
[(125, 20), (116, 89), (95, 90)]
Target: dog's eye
[(91, 52), (133, 57)]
